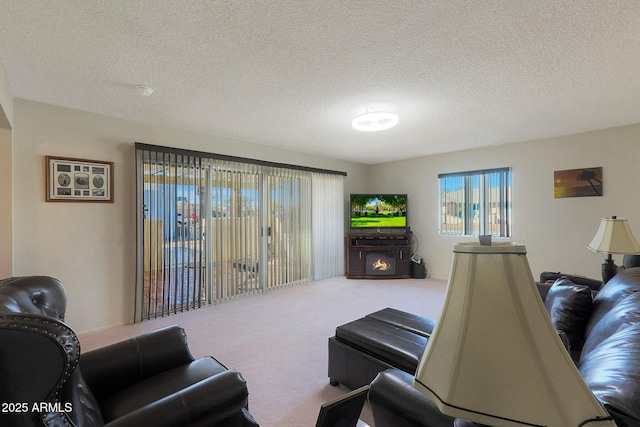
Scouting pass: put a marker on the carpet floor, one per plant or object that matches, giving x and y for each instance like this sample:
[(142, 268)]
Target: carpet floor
[(278, 339)]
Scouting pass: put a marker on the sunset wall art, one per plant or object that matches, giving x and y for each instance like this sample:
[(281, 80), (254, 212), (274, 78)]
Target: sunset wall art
[(578, 182)]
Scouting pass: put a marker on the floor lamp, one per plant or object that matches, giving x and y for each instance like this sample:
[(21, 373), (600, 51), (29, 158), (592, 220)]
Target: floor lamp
[(613, 237), (494, 357)]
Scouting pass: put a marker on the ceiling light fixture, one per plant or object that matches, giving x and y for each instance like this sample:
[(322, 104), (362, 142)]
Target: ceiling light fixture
[(371, 122), (144, 90)]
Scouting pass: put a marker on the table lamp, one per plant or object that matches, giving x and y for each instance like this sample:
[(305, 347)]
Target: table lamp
[(494, 357), (613, 237)]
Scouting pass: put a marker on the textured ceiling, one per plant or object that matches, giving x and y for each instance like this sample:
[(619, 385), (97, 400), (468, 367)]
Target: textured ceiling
[(294, 73)]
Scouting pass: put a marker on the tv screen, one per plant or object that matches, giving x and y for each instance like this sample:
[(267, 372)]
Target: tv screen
[(378, 211)]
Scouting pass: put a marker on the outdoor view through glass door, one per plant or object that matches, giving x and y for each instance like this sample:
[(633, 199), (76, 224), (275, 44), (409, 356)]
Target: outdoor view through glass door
[(211, 230), (288, 216)]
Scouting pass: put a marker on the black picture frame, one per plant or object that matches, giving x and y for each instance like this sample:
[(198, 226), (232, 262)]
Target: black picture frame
[(343, 411), (78, 180)]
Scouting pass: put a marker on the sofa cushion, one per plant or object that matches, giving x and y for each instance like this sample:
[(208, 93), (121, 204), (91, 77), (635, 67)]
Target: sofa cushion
[(612, 372), (622, 284), (622, 315), (569, 306)]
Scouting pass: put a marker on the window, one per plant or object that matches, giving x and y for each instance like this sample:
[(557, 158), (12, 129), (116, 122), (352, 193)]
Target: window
[(475, 203)]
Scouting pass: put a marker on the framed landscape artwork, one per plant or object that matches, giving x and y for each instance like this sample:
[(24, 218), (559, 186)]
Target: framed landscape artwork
[(578, 182), (79, 180)]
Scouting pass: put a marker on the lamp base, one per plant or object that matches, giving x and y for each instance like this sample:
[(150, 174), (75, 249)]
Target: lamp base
[(609, 269)]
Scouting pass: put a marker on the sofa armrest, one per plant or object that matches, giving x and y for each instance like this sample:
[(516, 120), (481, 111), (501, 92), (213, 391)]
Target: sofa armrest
[(594, 284), (543, 289), (204, 403), (110, 369), (396, 403)]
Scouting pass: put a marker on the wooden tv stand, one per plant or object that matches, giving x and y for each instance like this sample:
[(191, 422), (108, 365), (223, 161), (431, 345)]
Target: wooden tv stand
[(379, 255)]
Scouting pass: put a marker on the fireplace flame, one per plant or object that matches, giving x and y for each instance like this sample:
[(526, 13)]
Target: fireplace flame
[(381, 265)]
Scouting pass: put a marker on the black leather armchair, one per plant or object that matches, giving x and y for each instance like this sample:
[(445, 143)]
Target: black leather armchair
[(149, 380)]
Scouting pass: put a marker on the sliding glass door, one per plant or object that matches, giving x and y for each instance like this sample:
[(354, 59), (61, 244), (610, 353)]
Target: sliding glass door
[(288, 227), (172, 255), (211, 230)]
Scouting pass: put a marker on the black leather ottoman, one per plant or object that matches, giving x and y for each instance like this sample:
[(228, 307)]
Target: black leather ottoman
[(403, 320), (385, 339)]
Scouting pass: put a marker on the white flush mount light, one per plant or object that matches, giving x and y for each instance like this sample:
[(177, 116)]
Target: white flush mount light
[(371, 122), (144, 90)]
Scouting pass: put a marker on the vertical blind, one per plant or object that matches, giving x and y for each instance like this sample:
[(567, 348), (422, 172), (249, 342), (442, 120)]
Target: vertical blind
[(172, 253), (328, 226), (234, 229), (212, 229), (288, 236)]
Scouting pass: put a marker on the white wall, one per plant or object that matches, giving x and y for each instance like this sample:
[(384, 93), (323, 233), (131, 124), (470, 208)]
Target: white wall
[(6, 100), (6, 118), (555, 231), (6, 240), (91, 246)]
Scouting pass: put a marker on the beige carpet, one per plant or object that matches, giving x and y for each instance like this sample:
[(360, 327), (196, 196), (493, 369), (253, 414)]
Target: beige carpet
[(278, 340)]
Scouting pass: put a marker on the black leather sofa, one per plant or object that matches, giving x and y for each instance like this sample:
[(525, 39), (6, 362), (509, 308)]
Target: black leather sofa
[(149, 380), (603, 338)]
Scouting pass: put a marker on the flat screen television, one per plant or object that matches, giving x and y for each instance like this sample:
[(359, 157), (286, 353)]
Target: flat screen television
[(378, 211)]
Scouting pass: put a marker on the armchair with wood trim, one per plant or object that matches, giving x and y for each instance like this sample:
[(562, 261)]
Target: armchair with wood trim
[(149, 380)]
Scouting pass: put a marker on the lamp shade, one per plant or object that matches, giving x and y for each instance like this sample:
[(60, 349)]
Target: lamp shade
[(494, 357), (614, 237)]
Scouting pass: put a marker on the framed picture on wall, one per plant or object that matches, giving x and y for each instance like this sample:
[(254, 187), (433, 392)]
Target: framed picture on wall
[(78, 180), (583, 182)]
